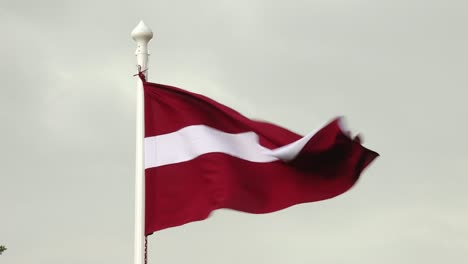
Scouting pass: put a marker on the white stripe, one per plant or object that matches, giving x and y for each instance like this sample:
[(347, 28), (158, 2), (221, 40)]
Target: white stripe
[(193, 141)]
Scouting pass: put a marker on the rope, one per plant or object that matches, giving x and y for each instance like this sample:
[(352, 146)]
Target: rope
[(146, 250), (141, 73)]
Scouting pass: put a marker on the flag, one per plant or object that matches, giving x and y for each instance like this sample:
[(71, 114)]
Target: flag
[(201, 156)]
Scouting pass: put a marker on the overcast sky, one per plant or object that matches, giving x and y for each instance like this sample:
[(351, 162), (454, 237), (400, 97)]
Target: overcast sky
[(397, 69)]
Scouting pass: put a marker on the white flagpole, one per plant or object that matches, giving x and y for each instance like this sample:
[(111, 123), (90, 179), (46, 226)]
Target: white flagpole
[(142, 34)]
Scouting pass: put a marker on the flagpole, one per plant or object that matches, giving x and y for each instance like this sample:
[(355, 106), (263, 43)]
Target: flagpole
[(142, 34)]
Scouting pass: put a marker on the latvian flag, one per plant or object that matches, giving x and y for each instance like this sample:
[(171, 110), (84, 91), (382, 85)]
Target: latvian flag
[(201, 156)]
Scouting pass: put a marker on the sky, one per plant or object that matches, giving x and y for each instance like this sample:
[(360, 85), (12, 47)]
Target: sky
[(396, 69)]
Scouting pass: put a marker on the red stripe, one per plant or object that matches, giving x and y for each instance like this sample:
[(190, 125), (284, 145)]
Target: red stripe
[(328, 165), (168, 109)]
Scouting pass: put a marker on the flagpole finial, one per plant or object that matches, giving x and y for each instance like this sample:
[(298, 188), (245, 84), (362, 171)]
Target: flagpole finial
[(142, 33)]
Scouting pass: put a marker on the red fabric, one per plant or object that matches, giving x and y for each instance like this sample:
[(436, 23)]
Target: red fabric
[(177, 194)]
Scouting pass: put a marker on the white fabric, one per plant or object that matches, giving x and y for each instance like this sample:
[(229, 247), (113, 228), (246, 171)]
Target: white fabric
[(193, 141)]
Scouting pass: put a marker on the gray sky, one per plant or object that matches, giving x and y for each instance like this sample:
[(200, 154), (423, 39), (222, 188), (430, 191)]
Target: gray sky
[(395, 68)]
